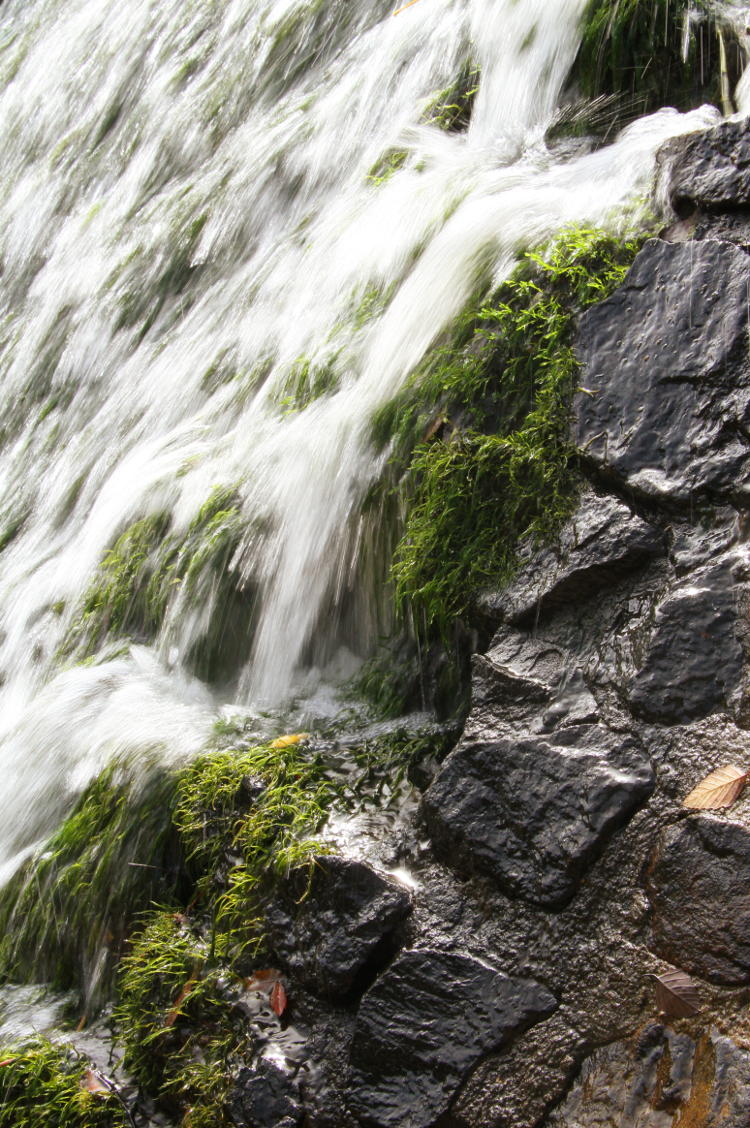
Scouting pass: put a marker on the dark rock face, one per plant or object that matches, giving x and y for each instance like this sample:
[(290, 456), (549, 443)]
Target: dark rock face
[(328, 938), (602, 542), (665, 362), (710, 169), (693, 657), (265, 1097), (699, 887), (424, 1024), (534, 813)]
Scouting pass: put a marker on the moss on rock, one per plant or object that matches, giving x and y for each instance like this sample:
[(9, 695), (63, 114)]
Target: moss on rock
[(43, 1085)]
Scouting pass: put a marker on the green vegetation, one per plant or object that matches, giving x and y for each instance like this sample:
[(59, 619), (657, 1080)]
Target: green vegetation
[(450, 109), (306, 382), (149, 567), (481, 430), (384, 168), (246, 818), (66, 915), (43, 1086), (633, 48), (178, 1027)]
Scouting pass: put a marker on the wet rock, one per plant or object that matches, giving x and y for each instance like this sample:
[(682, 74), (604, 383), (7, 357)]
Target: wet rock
[(424, 1024), (661, 1079), (265, 1096), (709, 170), (600, 544), (693, 659), (331, 934), (535, 812), (699, 888), (667, 400)]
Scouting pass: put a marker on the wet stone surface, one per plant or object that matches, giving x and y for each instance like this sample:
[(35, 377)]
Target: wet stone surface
[(534, 813), (699, 887), (334, 931), (422, 1027)]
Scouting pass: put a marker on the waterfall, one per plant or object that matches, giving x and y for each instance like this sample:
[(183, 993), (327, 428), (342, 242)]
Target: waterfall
[(193, 228)]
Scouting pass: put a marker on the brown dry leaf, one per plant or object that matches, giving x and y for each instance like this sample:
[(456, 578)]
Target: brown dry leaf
[(719, 789), (278, 998), (288, 740), (92, 1083), (262, 980), (676, 994), (174, 1012)]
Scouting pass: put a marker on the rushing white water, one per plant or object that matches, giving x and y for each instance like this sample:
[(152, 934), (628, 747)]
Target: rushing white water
[(185, 212)]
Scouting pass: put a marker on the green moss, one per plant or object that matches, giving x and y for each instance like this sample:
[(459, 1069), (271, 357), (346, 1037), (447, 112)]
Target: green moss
[(65, 917), (246, 817), (495, 466), (41, 1086), (149, 568), (176, 1021), (450, 109), (385, 167), (307, 382), (633, 48)]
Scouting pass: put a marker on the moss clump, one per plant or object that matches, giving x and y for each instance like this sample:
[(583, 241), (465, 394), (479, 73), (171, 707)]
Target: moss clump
[(43, 1085), (385, 167), (65, 917), (150, 568), (450, 109), (177, 1025), (307, 382), (245, 817), (634, 49), (494, 465)]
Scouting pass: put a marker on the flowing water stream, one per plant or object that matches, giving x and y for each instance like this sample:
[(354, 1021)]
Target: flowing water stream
[(190, 229)]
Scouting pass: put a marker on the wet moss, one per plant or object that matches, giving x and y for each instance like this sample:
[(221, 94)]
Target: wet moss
[(450, 109), (66, 916), (650, 53), (43, 1085), (178, 1027), (481, 430)]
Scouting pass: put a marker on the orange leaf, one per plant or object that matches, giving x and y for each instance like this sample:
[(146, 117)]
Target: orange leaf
[(173, 1014), (288, 740), (92, 1083), (278, 998), (676, 994), (719, 789), (262, 980), (8, 1061)]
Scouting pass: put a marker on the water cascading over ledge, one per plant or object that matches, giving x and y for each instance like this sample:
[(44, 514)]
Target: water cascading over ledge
[(230, 234)]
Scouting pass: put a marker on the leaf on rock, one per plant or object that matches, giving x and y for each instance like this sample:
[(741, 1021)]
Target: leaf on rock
[(719, 789), (676, 994), (92, 1083), (278, 998), (289, 740)]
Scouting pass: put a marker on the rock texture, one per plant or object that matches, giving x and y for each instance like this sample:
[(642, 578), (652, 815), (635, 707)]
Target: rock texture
[(699, 886), (423, 1025), (534, 813), (330, 933), (709, 170), (667, 397)]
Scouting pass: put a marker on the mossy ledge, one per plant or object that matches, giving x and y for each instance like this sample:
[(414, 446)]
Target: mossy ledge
[(479, 436), (44, 1085)]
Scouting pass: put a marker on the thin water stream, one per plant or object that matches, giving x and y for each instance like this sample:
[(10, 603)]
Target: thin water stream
[(190, 228)]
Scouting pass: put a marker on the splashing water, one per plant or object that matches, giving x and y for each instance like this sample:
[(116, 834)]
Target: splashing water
[(188, 225)]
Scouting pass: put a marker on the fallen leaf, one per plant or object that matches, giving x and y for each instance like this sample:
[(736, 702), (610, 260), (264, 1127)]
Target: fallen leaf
[(288, 740), (262, 980), (676, 994), (8, 1061), (719, 789), (93, 1083), (278, 998), (174, 1012)]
